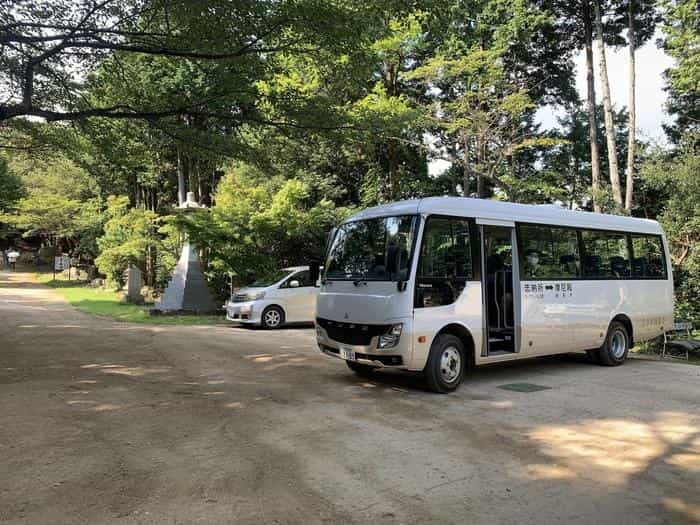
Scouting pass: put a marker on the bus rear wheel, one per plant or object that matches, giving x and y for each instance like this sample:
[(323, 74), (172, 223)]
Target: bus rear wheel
[(447, 362), (616, 346)]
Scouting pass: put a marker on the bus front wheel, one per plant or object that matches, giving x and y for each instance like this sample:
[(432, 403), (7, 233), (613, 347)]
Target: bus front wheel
[(446, 364), (616, 346)]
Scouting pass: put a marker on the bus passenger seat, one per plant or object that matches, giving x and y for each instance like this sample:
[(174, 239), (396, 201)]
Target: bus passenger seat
[(618, 266), (639, 266), (568, 263), (591, 264)]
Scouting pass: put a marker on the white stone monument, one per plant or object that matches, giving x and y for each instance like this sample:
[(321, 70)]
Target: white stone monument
[(187, 291), (134, 282)]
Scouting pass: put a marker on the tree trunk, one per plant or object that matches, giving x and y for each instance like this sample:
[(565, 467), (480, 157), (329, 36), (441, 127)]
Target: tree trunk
[(607, 108), (181, 196), (137, 192), (631, 131), (393, 168), (480, 189), (590, 108), (198, 174), (392, 154), (465, 169)]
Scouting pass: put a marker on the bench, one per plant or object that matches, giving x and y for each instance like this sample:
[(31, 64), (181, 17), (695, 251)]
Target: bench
[(681, 337)]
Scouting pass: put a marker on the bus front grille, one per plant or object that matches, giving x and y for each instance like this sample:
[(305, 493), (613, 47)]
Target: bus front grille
[(352, 333)]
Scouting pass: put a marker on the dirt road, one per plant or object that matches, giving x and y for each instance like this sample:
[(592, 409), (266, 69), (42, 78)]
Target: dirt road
[(104, 422)]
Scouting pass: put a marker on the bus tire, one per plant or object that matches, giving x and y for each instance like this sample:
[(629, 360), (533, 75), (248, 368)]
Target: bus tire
[(593, 356), (360, 369), (272, 317), (616, 346), (447, 362)]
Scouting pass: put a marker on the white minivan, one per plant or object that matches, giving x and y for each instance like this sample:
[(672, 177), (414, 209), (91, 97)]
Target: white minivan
[(283, 296)]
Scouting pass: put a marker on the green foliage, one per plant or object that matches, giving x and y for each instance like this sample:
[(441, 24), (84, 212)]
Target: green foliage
[(59, 201), (479, 112), (258, 225), (11, 187), (682, 30), (677, 177), (282, 116), (129, 234)]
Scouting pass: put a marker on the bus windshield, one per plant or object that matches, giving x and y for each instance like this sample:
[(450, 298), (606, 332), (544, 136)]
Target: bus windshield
[(372, 249)]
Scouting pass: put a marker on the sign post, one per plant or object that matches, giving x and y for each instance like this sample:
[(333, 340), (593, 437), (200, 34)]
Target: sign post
[(60, 263)]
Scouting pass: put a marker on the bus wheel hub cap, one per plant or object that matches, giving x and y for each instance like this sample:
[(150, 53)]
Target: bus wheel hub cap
[(450, 363)]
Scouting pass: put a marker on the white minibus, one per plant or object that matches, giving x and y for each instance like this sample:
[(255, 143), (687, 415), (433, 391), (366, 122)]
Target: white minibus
[(442, 284)]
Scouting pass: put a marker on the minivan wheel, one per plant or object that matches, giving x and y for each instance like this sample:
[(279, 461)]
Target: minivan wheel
[(272, 317), (616, 346), (447, 362)]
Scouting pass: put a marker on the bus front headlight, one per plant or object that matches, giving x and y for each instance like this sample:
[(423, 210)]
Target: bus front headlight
[(391, 338)]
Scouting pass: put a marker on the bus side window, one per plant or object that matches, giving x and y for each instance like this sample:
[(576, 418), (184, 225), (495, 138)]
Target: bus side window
[(445, 262), (648, 257), (548, 252), (606, 254)]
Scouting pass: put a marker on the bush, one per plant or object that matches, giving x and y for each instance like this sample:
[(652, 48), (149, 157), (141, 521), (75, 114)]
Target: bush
[(675, 176), (128, 235), (259, 224)]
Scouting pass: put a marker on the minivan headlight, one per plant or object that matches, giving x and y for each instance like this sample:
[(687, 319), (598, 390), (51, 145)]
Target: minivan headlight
[(255, 296), (391, 338)]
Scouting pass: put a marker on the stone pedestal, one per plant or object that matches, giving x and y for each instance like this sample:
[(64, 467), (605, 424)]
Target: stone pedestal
[(134, 283), (187, 291)]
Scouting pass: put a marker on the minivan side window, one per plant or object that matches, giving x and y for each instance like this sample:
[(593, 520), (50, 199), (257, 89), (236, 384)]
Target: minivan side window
[(303, 277), (445, 263)]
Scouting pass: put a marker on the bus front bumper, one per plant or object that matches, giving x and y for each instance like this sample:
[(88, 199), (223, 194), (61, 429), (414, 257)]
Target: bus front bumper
[(398, 356)]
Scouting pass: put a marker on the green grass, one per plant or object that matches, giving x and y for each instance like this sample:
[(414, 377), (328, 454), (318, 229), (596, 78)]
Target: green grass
[(107, 304)]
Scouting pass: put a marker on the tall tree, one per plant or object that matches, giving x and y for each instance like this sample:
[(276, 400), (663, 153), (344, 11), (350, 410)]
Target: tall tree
[(576, 23), (591, 106), (49, 48), (629, 182), (640, 18), (497, 60), (681, 27), (480, 115), (387, 110), (607, 108)]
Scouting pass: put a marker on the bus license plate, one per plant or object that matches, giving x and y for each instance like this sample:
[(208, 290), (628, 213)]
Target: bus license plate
[(347, 354)]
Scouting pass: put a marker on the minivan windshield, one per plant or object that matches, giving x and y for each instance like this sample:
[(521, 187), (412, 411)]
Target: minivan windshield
[(377, 249), (271, 278)]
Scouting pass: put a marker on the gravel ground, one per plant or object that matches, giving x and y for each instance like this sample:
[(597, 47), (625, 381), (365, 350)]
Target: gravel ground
[(103, 422)]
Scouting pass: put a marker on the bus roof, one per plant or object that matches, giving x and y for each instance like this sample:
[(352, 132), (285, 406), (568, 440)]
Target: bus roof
[(508, 211)]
